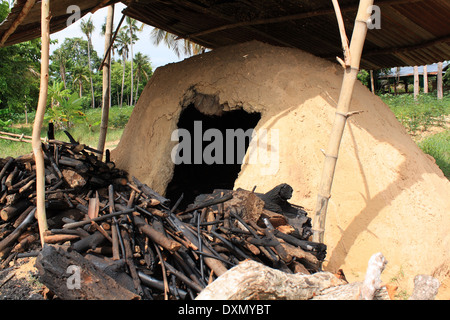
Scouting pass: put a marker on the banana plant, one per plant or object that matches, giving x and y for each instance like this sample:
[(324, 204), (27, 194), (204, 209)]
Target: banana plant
[(67, 112)]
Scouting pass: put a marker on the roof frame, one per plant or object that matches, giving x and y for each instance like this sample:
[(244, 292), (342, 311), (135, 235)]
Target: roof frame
[(414, 32), (298, 16)]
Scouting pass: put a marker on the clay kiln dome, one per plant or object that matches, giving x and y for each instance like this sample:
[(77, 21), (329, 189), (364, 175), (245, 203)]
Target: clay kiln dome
[(387, 196)]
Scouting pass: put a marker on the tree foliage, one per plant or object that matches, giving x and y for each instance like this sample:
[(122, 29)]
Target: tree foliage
[(19, 74), (87, 27), (4, 10), (75, 82), (178, 45), (117, 75), (69, 67), (70, 63), (67, 112)]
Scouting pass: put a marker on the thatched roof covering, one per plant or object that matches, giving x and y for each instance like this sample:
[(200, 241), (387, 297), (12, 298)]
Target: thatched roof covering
[(413, 32)]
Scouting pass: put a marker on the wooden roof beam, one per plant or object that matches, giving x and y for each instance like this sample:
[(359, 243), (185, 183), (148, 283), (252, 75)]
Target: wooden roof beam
[(22, 15), (100, 5), (419, 46), (298, 16), (208, 11), (397, 51)]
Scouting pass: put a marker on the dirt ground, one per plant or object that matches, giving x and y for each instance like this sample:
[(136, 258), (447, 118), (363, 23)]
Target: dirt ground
[(20, 281), (424, 134)]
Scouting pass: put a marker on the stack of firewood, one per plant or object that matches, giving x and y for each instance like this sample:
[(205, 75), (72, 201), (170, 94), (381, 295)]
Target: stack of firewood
[(128, 241), (71, 169)]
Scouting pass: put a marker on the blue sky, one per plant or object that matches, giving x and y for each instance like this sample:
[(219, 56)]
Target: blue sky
[(159, 55)]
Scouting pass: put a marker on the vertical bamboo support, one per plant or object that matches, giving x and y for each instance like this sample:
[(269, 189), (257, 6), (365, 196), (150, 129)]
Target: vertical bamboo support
[(342, 113), (372, 84), (39, 119), (416, 82), (106, 95), (440, 87), (344, 39), (425, 79)]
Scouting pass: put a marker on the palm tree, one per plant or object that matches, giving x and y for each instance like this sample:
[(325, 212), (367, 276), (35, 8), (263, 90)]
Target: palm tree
[(142, 65), (132, 29), (173, 42), (78, 74), (87, 27), (121, 45), (60, 58), (106, 80)]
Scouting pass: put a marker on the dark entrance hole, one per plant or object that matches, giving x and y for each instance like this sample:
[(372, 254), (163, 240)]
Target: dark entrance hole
[(193, 178)]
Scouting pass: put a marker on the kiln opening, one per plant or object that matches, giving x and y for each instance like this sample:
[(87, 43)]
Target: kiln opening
[(210, 151)]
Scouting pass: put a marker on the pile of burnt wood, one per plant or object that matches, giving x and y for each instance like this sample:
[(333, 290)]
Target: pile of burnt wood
[(110, 237)]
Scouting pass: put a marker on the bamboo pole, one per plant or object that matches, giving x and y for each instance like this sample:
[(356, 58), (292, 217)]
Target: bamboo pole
[(106, 95), (15, 139), (344, 39), (372, 84), (425, 79), (342, 113), (416, 82), (39, 119), (440, 88), (22, 15)]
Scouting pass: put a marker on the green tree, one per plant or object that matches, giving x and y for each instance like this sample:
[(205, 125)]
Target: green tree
[(122, 46), (116, 80), (364, 77), (19, 77), (178, 45), (57, 93), (76, 50), (4, 10), (87, 27), (59, 65), (19, 74), (132, 28), (142, 69), (70, 64), (66, 112), (78, 77)]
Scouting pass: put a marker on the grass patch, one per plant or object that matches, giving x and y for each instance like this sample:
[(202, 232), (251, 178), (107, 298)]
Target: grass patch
[(86, 132), (421, 114), (438, 146)]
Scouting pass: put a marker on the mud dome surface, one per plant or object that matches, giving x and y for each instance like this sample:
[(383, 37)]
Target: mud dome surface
[(387, 196)]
